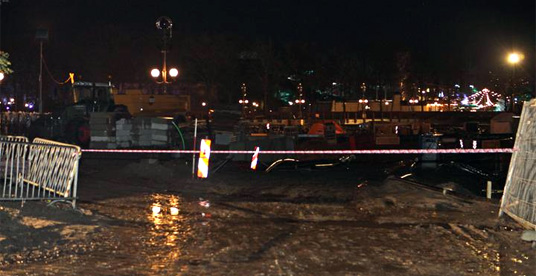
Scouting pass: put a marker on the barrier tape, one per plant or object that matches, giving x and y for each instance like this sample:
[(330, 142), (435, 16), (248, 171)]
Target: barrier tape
[(300, 152)]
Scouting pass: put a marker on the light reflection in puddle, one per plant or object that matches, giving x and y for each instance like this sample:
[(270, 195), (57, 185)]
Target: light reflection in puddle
[(167, 232), (494, 258)]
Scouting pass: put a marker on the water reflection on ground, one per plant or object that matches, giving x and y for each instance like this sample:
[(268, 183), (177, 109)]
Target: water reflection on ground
[(137, 241), (167, 231), (291, 224)]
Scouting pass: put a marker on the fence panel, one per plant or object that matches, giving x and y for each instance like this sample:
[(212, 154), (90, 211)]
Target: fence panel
[(43, 170), (10, 138), (519, 198)]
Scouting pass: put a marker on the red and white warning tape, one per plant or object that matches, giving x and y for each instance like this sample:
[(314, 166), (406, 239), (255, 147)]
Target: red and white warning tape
[(313, 152)]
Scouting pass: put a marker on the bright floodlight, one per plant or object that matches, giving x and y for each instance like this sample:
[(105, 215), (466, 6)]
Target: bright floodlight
[(1, 76), (514, 58), (173, 72), (155, 73)]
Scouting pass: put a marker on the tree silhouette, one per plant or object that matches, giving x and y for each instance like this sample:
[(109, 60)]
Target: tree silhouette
[(5, 64)]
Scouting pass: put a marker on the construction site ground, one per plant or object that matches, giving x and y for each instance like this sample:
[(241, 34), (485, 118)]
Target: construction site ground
[(353, 219)]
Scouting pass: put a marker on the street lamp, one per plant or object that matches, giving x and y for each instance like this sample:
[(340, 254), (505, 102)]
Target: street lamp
[(255, 107), (164, 24), (300, 101), (243, 101), (364, 105), (513, 58), (413, 102)]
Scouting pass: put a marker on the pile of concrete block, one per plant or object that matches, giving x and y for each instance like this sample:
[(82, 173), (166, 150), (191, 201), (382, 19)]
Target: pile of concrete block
[(123, 133), (141, 131), (102, 126), (126, 133), (149, 132), (160, 131)]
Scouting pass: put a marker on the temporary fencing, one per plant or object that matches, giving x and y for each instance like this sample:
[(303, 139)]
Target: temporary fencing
[(9, 138), (42, 170), (519, 197)]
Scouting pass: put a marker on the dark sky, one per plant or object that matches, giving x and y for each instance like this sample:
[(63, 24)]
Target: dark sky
[(467, 31), (336, 21)]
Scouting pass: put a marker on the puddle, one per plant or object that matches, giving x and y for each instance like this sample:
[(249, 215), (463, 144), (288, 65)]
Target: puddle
[(152, 246)]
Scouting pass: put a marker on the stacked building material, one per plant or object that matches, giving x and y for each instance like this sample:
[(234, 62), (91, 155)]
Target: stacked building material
[(141, 131), (160, 131), (106, 133), (102, 126), (123, 133), (150, 132)]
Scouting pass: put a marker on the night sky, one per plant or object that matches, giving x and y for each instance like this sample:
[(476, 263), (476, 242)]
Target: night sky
[(443, 36)]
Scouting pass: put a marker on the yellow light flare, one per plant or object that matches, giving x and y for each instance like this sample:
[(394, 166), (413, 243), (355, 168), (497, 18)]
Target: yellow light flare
[(515, 58)]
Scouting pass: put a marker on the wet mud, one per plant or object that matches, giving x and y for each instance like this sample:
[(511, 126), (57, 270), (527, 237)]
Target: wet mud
[(149, 217)]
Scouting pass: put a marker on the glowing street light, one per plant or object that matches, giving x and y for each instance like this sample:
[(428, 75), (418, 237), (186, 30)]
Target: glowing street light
[(513, 58), (243, 101), (300, 100), (155, 73), (413, 102), (173, 72)]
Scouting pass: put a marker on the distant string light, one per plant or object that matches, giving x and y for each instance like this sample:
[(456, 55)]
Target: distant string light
[(483, 98)]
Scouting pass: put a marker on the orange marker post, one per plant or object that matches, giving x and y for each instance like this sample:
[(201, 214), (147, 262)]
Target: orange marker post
[(204, 156), (255, 158)]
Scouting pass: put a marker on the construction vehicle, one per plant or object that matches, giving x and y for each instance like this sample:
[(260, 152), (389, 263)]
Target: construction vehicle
[(69, 122)]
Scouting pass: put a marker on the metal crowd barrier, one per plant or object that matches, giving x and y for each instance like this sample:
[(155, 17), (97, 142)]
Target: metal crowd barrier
[(9, 138), (42, 170)]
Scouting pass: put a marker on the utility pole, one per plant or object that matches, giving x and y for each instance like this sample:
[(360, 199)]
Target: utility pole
[(41, 35)]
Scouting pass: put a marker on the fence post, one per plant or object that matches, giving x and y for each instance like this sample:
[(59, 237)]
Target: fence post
[(488, 189)]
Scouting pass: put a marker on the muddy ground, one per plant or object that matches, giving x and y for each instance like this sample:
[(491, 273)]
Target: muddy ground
[(346, 220)]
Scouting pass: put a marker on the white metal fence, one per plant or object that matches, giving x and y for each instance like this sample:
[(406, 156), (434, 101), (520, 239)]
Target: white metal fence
[(42, 170), (519, 198), (10, 138)]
